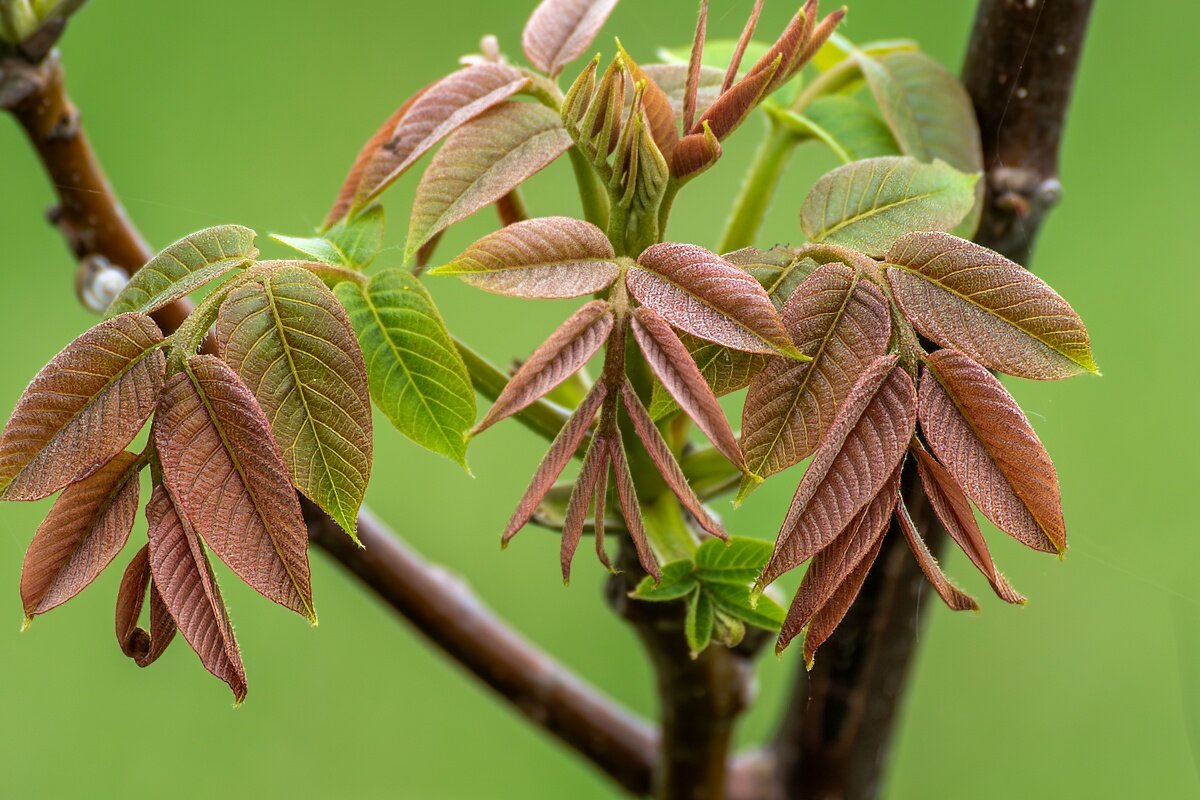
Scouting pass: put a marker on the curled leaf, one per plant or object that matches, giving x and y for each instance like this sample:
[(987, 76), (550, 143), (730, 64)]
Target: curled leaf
[(560, 30), (144, 647)]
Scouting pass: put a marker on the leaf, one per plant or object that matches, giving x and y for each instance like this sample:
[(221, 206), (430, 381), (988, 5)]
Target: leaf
[(736, 562), (969, 298), (834, 611), (415, 374), (677, 581), (736, 601), (350, 243), (672, 79), (843, 322), (955, 598), (865, 442), (189, 589), (184, 267), (560, 356), (560, 30), (631, 511), (724, 371), (978, 431), (480, 163), (870, 204), (545, 257), (439, 110), (672, 364), (730, 110), (717, 55), (838, 48), (223, 469), (83, 408), (290, 340), (779, 269), (706, 296), (591, 477), (698, 624), (784, 58), (142, 646), (849, 128), (83, 533), (659, 118)]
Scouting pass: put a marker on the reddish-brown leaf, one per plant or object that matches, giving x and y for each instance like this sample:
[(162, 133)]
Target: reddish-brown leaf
[(955, 598), (631, 509), (188, 588), (560, 30), (561, 449), (978, 431), (224, 469), (548, 257), (660, 118), (83, 408), (591, 476), (827, 619), (731, 109), (740, 49), (558, 358), (83, 533), (695, 153), (952, 508), (997, 312), (788, 49), (843, 322), (860, 451), (144, 647), (820, 34), (672, 79), (691, 88), (703, 294)]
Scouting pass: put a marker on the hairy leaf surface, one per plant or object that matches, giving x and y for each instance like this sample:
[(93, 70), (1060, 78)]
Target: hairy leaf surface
[(560, 30), (631, 508), (951, 595), (724, 370), (591, 475), (827, 619), (143, 646), (672, 79)]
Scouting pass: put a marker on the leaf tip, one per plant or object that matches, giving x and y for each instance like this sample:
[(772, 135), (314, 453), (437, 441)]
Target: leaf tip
[(750, 482), (26, 623)]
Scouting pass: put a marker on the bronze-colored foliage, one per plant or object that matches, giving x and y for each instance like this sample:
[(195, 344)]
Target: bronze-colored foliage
[(588, 486), (660, 119), (224, 469), (631, 508), (830, 615), (955, 598), (560, 30), (144, 647), (83, 408)]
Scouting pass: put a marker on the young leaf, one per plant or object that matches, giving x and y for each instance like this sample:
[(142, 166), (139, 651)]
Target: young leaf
[(677, 581), (969, 298), (480, 163), (736, 601), (545, 257), (692, 83), (189, 589), (290, 340), (349, 243), (742, 45), (869, 204), (736, 562), (730, 110), (865, 442), (224, 470), (955, 598), (142, 646), (978, 431), (701, 293), (827, 619), (415, 374), (672, 364), (591, 474), (843, 322), (560, 30), (559, 357), (659, 118), (631, 508), (672, 79), (724, 371), (184, 267), (698, 624), (83, 408), (849, 128)]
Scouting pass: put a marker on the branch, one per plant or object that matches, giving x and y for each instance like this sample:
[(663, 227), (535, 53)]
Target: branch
[(837, 730), (438, 605)]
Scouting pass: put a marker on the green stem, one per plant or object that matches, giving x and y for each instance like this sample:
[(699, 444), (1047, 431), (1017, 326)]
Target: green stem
[(835, 79), (592, 196), (750, 208)]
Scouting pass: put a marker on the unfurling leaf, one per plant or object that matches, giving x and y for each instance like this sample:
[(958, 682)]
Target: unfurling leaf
[(631, 508), (560, 30), (969, 298), (698, 623), (290, 340), (827, 619), (184, 267), (415, 374), (587, 486), (730, 110), (544, 257), (83, 533), (672, 364), (223, 468), (349, 243), (858, 454), (735, 563), (870, 204), (144, 647), (83, 408), (189, 590), (701, 293), (480, 163), (659, 118), (955, 598), (672, 79), (559, 357), (979, 433), (843, 322), (695, 59)]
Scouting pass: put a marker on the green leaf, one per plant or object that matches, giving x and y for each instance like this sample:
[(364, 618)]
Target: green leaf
[(869, 204), (727, 629), (838, 48), (849, 128), (736, 601), (677, 581), (415, 373), (698, 625), (184, 267), (350, 243), (737, 563)]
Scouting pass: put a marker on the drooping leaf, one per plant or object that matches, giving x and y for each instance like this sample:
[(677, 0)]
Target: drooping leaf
[(545, 257), (349, 243), (698, 622), (706, 296), (415, 374), (858, 454), (223, 468), (977, 430), (560, 356), (955, 598), (184, 267), (870, 204), (736, 562), (724, 371), (630, 506), (827, 619), (83, 408), (974, 300), (560, 30), (480, 163), (84, 532), (843, 322), (189, 589), (678, 580), (848, 127), (144, 647), (591, 474), (290, 340)]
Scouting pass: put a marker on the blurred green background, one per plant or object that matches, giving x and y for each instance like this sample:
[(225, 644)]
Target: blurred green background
[(250, 111)]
